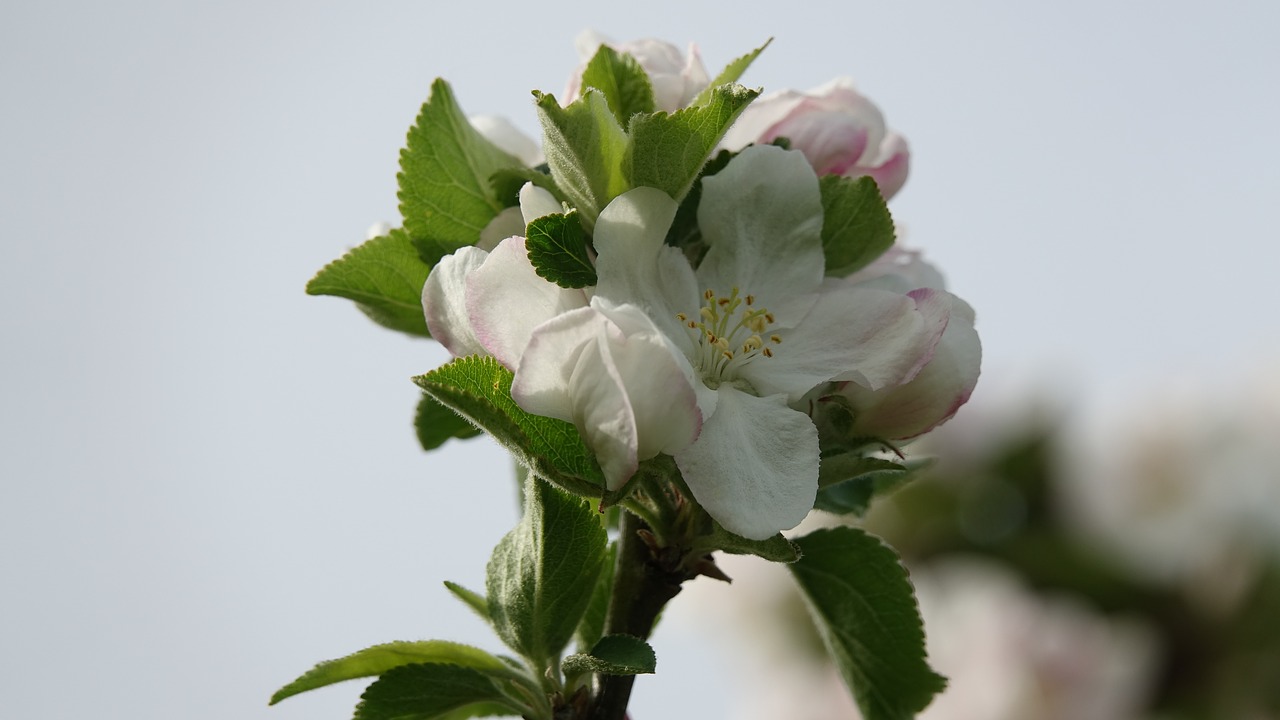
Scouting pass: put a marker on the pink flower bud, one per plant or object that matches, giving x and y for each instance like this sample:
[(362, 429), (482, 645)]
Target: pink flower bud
[(838, 130), (676, 78)]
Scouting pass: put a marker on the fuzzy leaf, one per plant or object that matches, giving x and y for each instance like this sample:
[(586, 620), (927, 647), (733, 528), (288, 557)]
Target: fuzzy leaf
[(730, 73), (614, 655), (480, 389), (379, 659), (668, 151), (436, 424), (541, 576), (445, 195), (471, 599), (865, 609), (856, 225), (558, 250), (591, 626), (625, 84), (585, 146), (384, 276), (435, 692)]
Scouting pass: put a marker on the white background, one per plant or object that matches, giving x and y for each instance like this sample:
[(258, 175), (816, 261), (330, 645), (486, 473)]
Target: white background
[(208, 480)]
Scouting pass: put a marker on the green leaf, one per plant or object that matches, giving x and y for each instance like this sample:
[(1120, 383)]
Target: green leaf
[(445, 196), (591, 626), (384, 276), (668, 151), (856, 225), (585, 146), (379, 659), (558, 250), (614, 655), (480, 389), (730, 74), (472, 599), (542, 574), (865, 609), (506, 184), (625, 84), (774, 549), (435, 692), (436, 423), (847, 482)]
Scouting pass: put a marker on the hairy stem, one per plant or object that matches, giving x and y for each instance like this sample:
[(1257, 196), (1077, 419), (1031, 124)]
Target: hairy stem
[(642, 585)]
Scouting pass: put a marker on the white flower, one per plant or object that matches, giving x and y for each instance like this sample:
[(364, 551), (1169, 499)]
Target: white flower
[(677, 79), (840, 131), (509, 138)]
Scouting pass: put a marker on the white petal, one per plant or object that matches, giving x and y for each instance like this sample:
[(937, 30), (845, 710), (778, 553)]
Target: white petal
[(904, 411), (626, 394), (762, 217), (875, 337), (754, 467), (510, 139), (535, 202), (761, 115), (635, 266), (505, 224), (444, 302), (900, 270), (506, 300)]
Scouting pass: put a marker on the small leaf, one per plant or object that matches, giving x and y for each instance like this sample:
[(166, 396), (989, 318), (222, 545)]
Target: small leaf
[(558, 250), (668, 151), (436, 424), (774, 549), (480, 389), (856, 225), (591, 626), (384, 276), (625, 84), (614, 655), (434, 692), (865, 609), (379, 659), (472, 599), (847, 482), (445, 196), (541, 576), (730, 74), (585, 146)]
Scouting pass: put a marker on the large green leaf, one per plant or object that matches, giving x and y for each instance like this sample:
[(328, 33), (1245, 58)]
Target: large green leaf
[(730, 74), (541, 576), (558, 250), (445, 195), (668, 151), (865, 609), (585, 146), (384, 276), (856, 225), (437, 692), (379, 659), (436, 423), (625, 84), (614, 655), (848, 481), (480, 389), (591, 626)]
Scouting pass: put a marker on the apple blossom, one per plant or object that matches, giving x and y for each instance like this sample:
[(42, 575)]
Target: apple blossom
[(839, 130), (677, 79)]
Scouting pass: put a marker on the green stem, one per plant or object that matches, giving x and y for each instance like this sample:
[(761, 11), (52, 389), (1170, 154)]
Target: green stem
[(641, 587)]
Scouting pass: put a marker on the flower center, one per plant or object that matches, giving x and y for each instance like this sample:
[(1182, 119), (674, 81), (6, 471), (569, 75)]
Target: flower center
[(728, 333)]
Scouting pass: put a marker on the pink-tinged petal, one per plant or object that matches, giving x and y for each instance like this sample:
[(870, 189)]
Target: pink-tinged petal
[(536, 202), (874, 337), (754, 467), (444, 302), (506, 300), (762, 218), (905, 411), (891, 173), (831, 142), (635, 266), (900, 270), (626, 393), (758, 117)]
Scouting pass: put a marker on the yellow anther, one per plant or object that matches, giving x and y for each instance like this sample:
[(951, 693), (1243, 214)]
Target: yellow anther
[(711, 337), (708, 295), (775, 339), (707, 314), (751, 299), (693, 325), (721, 343), (728, 355), (752, 343), (723, 301), (767, 352), (757, 324), (681, 317), (768, 317)]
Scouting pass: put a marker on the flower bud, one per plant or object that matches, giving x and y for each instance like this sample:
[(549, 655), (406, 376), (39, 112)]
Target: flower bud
[(677, 79)]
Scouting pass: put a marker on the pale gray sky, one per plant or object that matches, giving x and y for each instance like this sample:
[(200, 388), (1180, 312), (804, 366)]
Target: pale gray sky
[(209, 481)]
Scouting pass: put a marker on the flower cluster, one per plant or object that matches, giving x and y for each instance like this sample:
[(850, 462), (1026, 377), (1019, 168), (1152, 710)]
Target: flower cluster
[(720, 360)]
